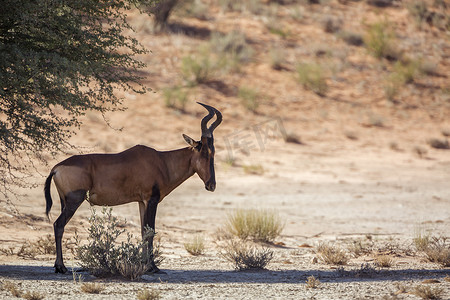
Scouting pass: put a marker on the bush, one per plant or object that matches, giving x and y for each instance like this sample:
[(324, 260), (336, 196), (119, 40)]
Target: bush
[(259, 225), (196, 246), (175, 97), (199, 68), (245, 256), (312, 282), (232, 47), (148, 295), (332, 255), (312, 76), (438, 251), (249, 98), (104, 257), (379, 40), (92, 288)]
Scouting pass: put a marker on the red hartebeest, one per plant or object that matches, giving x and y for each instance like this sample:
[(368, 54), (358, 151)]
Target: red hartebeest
[(139, 174)]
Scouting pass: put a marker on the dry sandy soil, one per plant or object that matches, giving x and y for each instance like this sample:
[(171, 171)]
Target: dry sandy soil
[(348, 180)]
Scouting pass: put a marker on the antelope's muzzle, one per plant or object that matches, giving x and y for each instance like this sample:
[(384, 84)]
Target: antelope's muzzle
[(210, 186)]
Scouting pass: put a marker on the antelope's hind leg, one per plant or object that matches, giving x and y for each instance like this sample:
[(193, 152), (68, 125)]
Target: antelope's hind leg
[(72, 201)]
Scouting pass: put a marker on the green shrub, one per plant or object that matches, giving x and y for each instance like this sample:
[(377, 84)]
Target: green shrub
[(199, 68), (103, 256), (312, 77), (259, 225), (379, 40), (249, 98), (232, 49), (175, 97), (408, 70)]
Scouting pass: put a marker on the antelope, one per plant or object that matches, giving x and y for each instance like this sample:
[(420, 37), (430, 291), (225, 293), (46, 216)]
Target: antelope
[(140, 174)]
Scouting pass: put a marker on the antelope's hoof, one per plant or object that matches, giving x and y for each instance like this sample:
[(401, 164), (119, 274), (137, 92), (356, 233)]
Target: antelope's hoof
[(60, 269)]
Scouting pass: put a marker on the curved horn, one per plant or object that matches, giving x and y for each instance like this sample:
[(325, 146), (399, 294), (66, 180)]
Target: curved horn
[(216, 122), (211, 111)]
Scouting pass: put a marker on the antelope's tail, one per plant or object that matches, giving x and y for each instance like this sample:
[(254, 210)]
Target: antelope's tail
[(48, 196)]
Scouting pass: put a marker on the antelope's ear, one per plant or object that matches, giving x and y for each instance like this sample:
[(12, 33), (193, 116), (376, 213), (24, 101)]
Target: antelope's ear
[(191, 141)]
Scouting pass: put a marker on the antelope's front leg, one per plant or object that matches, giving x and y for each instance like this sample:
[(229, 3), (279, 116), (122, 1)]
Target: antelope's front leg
[(148, 215)]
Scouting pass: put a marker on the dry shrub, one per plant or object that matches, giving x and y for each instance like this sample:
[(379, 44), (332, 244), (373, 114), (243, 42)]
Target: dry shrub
[(148, 294), (312, 282), (255, 224), (438, 251), (196, 246), (104, 257), (253, 169), (245, 256), (12, 288), (33, 296), (427, 292), (421, 240), (351, 38), (92, 288), (383, 261), (360, 247), (331, 254)]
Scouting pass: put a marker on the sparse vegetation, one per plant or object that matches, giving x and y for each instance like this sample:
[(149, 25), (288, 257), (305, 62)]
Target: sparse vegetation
[(331, 254), (312, 282), (255, 224), (245, 256), (92, 288), (421, 239), (408, 69), (175, 97), (232, 48), (34, 295), (383, 261), (379, 40), (12, 288), (312, 77), (427, 292), (438, 251), (147, 294), (249, 98), (103, 256), (199, 68), (196, 246), (253, 169)]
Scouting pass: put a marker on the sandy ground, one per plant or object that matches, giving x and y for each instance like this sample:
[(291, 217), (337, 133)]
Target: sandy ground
[(336, 195)]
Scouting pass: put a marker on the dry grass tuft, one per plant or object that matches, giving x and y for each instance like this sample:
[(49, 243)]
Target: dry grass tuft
[(312, 77), (148, 294), (421, 240), (12, 288), (258, 225), (196, 246), (92, 288), (247, 257), (33, 296), (438, 251), (332, 255), (253, 169), (427, 292), (312, 282), (384, 261)]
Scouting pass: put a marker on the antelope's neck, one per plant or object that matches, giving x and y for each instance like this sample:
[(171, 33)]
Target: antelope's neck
[(178, 164)]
